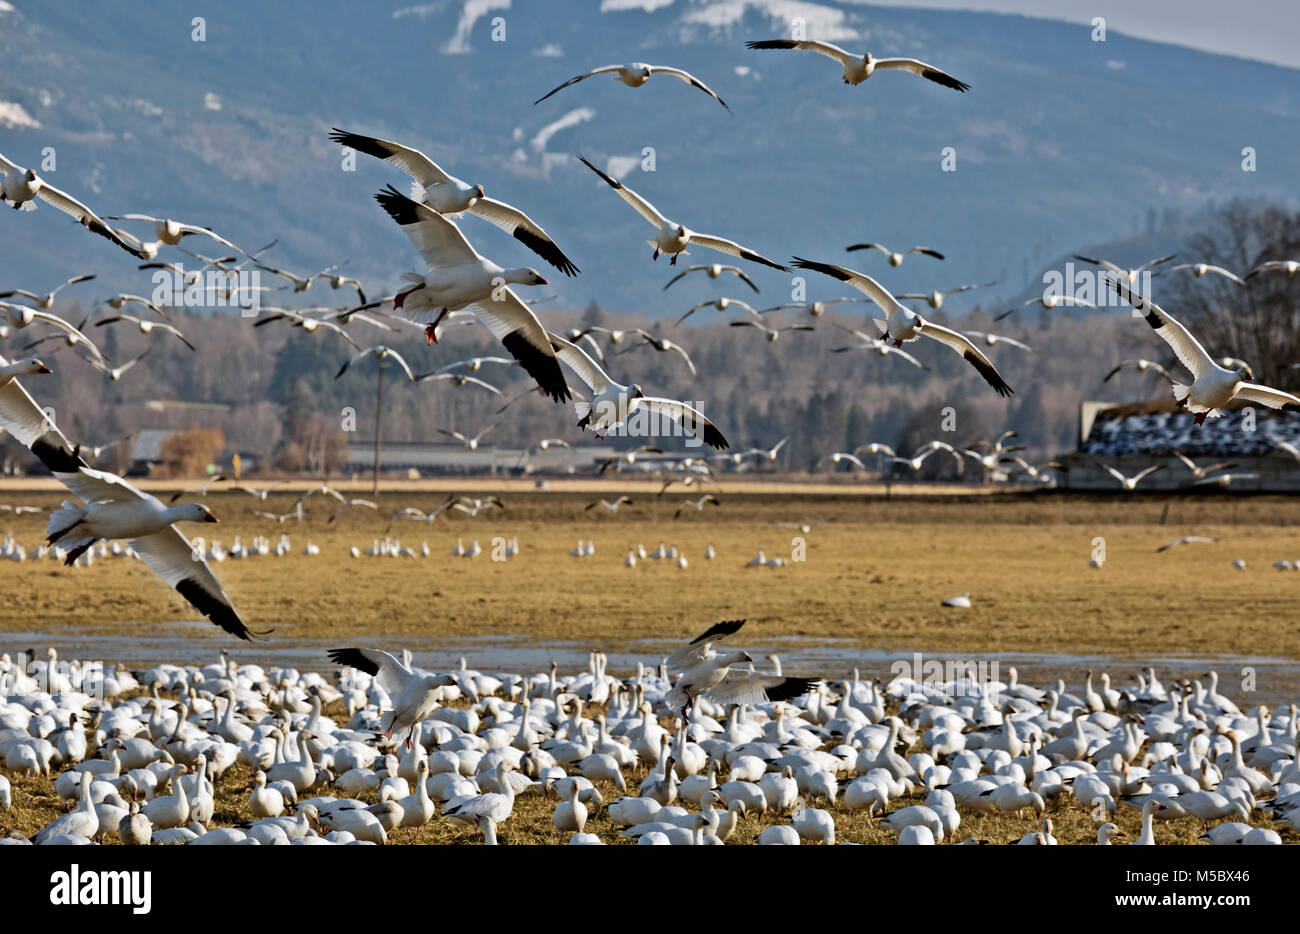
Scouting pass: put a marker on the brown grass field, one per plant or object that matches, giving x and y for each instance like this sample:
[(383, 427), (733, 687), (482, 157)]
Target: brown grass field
[(872, 582)]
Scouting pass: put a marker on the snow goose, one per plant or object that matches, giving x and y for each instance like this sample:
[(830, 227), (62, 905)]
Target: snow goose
[(696, 505), (1185, 540), (263, 801), (570, 816), (1106, 832), (714, 270), (673, 238), (470, 442), (902, 324), (813, 824), (992, 340), (919, 456), (380, 352), (895, 259), (414, 692), (609, 506), (459, 277), (115, 509), (859, 68), (146, 327), (1214, 386), (1200, 270), (171, 232), (497, 805), (935, 299), (1049, 301), (447, 194), (1288, 266), (663, 345), (613, 403), (1200, 472), (882, 347), (22, 186), (772, 334), (45, 301), (1141, 366), (1128, 275), (1148, 837), (82, 820), (839, 457), (1129, 484), (21, 316), (708, 672), (636, 74)]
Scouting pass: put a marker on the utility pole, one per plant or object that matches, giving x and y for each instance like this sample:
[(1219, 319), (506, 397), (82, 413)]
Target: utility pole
[(379, 425)]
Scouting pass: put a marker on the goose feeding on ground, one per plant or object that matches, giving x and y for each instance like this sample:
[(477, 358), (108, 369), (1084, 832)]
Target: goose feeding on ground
[(146, 327), (935, 299), (1200, 270), (414, 692), (459, 277), (673, 238), (1141, 366), (1214, 386), (636, 74), (45, 301), (613, 403), (22, 186), (707, 672), (720, 304), (858, 68), (902, 324), (714, 270), (447, 194), (1129, 484)]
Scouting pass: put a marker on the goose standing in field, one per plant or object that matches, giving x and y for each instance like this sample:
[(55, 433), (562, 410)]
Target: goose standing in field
[(707, 672), (1200, 270), (1141, 366), (859, 68), (1214, 386), (895, 259), (22, 186), (772, 334), (636, 74), (413, 691), (447, 194), (714, 270), (902, 324), (1129, 484), (613, 403), (459, 277), (935, 299), (673, 238), (82, 820), (44, 302), (146, 327), (21, 316)]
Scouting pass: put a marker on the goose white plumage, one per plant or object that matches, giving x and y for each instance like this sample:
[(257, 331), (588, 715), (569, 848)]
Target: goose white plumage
[(636, 74), (858, 68)]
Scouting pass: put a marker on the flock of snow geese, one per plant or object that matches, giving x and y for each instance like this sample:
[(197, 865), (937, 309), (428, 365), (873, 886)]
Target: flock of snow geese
[(781, 742), (747, 754)]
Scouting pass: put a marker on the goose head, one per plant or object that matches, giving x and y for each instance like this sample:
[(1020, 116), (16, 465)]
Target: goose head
[(527, 275), (28, 366), (1244, 374), (636, 392), (195, 512)]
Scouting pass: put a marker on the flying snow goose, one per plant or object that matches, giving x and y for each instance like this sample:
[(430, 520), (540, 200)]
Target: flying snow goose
[(350, 503), (613, 403), (1200, 270), (414, 692), (882, 347), (470, 442), (1214, 386), (1186, 540), (919, 456), (306, 322), (874, 448), (172, 232), (122, 299), (1288, 266), (636, 74), (146, 327), (895, 259), (714, 270), (935, 299), (992, 340), (30, 425), (1049, 301), (117, 372), (720, 304), (43, 302), (859, 68), (1201, 472), (706, 671), (459, 380), (772, 334), (1224, 479), (380, 352), (1130, 483), (22, 186), (447, 194), (474, 364), (116, 509), (838, 458), (21, 316), (673, 238), (902, 324), (804, 527), (608, 506), (697, 505), (663, 345), (459, 277), (1128, 275), (1141, 366)]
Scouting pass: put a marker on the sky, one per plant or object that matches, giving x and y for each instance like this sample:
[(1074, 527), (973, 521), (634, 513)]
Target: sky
[(1265, 30)]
